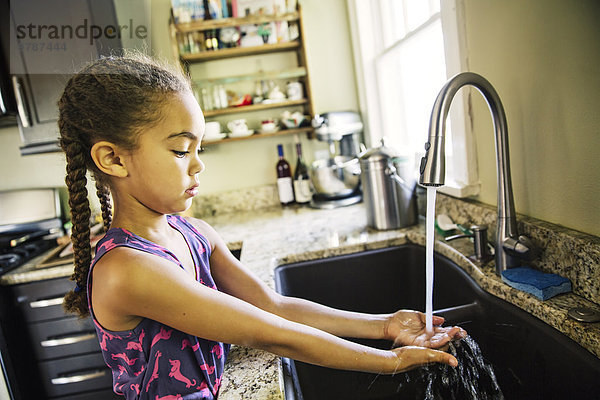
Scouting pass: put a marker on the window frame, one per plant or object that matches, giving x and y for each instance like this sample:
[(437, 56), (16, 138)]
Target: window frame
[(462, 178)]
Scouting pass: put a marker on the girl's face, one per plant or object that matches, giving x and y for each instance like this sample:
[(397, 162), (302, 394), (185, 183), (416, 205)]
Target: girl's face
[(163, 170)]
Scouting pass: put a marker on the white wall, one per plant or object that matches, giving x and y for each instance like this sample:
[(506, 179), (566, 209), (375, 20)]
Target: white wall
[(543, 58), (16, 172)]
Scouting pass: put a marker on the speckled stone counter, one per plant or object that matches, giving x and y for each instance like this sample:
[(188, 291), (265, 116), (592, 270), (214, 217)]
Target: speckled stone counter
[(273, 236)]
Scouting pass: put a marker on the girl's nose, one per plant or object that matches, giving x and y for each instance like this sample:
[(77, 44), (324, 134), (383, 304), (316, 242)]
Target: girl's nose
[(197, 166)]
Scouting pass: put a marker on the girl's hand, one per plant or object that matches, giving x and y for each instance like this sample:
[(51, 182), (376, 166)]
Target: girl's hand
[(407, 328), (410, 357)]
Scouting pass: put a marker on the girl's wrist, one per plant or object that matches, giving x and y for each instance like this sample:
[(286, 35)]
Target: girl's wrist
[(385, 329)]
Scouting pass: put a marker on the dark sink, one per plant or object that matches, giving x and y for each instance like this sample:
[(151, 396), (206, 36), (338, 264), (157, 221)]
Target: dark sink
[(531, 359)]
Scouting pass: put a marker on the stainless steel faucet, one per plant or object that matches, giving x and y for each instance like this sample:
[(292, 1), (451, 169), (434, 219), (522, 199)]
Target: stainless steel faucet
[(509, 246)]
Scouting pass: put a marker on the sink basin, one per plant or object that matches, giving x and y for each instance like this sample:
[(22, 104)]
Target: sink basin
[(531, 359)]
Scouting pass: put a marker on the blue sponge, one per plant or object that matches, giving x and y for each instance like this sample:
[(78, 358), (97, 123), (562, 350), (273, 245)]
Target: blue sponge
[(540, 284)]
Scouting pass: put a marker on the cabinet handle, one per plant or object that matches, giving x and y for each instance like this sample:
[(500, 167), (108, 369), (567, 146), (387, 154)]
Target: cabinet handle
[(3, 110), (21, 106), (57, 301), (79, 378), (68, 340)]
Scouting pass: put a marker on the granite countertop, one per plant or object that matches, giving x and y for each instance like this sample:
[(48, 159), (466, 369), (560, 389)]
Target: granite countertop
[(280, 236), (274, 236)]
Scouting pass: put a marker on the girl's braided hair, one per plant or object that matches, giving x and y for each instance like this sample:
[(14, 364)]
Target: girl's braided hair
[(111, 99)]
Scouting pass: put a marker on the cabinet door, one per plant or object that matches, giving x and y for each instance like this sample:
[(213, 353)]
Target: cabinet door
[(50, 40), (63, 338), (72, 375), (107, 394), (41, 301)]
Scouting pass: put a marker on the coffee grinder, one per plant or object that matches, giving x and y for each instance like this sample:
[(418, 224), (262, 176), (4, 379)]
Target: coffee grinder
[(336, 178)]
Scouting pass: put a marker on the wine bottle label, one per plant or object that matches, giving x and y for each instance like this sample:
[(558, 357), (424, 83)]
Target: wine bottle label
[(285, 189), (302, 191)]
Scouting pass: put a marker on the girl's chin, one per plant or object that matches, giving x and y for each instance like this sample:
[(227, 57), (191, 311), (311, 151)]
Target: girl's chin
[(180, 208)]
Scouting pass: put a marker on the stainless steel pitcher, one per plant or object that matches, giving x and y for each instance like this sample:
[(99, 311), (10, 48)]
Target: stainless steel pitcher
[(389, 197)]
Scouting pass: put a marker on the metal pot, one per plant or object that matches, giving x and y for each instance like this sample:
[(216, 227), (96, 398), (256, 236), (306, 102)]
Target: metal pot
[(390, 199), (335, 177)]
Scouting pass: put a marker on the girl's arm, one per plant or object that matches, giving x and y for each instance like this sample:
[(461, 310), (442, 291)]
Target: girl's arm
[(132, 284), (403, 327)]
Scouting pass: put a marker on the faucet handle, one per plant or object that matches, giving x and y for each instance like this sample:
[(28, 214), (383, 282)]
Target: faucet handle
[(521, 247)]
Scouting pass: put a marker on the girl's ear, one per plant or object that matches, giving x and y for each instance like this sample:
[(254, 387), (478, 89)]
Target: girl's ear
[(109, 159)]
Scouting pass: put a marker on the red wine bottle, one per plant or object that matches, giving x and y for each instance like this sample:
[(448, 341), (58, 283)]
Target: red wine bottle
[(284, 179), (301, 179)]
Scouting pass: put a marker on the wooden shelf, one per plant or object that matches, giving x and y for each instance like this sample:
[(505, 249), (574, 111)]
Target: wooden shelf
[(240, 51), (290, 73), (180, 33), (229, 22), (281, 132), (253, 107)]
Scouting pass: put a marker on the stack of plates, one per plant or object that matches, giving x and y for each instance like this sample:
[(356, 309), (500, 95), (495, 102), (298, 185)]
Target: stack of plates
[(241, 134), (218, 136)]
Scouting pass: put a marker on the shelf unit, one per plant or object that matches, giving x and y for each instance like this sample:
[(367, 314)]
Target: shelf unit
[(259, 135), (240, 52), (300, 72), (254, 107)]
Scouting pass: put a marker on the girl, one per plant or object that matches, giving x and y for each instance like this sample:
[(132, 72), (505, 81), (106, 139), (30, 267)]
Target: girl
[(164, 292)]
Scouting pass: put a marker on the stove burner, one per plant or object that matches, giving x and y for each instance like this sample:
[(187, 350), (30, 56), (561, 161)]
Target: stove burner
[(9, 260), (13, 258)]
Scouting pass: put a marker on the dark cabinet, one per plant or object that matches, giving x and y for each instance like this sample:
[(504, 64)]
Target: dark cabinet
[(64, 348)]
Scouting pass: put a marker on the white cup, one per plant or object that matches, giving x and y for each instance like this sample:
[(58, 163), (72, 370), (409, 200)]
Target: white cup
[(294, 90), (268, 126), (212, 129), (237, 126)]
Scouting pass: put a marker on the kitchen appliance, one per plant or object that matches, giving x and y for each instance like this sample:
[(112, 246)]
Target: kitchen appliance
[(36, 64), (30, 223), (336, 179), (8, 104), (389, 190)]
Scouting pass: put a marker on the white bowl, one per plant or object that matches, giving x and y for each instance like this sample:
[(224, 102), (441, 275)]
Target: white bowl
[(292, 123), (241, 134), (212, 138)]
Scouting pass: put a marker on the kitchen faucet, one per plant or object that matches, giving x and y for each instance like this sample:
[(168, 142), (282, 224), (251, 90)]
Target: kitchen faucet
[(509, 246)]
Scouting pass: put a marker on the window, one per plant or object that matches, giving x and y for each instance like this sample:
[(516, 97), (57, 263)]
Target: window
[(405, 50)]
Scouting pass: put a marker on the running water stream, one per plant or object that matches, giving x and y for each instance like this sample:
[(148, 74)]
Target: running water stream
[(473, 378), (430, 232)]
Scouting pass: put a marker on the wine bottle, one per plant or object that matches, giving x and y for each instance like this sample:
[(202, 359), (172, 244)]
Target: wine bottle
[(301, 179), (284, 179)]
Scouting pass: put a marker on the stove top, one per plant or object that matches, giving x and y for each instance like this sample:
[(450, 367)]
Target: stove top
[(11, 258)]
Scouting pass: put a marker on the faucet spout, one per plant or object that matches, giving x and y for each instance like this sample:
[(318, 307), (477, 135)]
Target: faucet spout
[(432, 166)]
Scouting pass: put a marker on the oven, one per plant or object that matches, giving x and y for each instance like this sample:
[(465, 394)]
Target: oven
[(30, 223), (45, 353)]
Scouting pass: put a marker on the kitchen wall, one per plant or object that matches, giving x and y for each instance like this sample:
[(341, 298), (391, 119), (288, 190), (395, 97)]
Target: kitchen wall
[(251, 163), (233, 165), (541, 55)]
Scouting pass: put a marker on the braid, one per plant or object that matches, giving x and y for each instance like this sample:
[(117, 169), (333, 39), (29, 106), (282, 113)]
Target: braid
[(76, 300), (111, 99), (103, 193)]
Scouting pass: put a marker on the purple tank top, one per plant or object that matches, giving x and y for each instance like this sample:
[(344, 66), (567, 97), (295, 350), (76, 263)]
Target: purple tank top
[(153, 360)]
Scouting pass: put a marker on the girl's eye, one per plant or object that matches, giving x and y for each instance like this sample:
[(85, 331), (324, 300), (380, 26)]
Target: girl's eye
[(180, 154), (200, 150)]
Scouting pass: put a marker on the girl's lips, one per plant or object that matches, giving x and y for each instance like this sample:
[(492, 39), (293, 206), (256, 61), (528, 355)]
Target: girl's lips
[(193, 191)]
